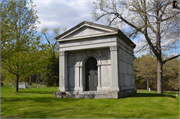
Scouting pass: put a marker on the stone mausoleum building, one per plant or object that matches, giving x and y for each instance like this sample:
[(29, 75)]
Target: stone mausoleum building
[(95, 61)]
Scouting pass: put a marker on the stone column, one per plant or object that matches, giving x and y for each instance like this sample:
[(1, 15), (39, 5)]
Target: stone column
[(114, 68), (99, 88), (63, 83), (77, 79), (81, 76), (99, 75)]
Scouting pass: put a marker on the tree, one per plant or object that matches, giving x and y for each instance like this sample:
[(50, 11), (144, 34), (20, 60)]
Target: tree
[(21, 52), (52, 78), (145, 68), (155, 20), (50, 38)]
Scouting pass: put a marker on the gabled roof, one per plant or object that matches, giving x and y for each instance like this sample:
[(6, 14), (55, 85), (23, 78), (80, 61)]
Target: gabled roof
[(88, 29)]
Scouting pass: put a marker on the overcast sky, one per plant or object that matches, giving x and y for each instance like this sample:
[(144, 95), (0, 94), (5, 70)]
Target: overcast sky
[(63, 13), (66, 14)]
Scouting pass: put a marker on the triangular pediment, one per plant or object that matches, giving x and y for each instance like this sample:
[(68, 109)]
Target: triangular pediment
[(86, 29)]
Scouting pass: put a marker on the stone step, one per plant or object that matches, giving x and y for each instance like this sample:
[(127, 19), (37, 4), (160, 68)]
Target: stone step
[(86, 92)]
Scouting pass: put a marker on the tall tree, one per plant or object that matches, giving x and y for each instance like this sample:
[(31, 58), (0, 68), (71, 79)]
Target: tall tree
[(21, 52), (155, 20)]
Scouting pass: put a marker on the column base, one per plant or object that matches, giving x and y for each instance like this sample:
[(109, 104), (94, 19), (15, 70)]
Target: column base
[(78, 89), (106, 89), (62, 89), (99, 88)]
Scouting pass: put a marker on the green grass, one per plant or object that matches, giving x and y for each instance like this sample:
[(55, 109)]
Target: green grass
[(40, 103)]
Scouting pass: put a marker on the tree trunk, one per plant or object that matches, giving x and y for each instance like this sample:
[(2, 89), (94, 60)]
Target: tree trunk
[(38, 78), (17, 82), (147, 84), (159, 77), (30, 80), (159, 57)]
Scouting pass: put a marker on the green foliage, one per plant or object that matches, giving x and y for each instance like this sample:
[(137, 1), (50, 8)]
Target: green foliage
[(171, 75), (40, 103), (51, 78), (145, 69)]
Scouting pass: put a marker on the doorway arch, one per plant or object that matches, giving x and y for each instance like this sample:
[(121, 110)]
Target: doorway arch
[(91, 80), (81, 66)]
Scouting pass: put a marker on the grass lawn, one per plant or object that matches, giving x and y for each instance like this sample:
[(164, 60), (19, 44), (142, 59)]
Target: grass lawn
[(40, 103)]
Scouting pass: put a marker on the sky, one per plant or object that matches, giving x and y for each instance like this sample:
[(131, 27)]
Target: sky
[(68, 13), (63, 13)]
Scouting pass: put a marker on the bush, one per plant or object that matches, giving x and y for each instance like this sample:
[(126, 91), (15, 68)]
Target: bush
[(1, 84)]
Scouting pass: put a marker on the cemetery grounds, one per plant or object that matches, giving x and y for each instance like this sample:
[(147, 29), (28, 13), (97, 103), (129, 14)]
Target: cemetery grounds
[(41, 103)]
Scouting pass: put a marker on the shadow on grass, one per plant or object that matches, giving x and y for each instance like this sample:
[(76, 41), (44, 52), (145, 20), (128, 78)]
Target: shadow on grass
[(38, 92), (151, 95), (38, 99)]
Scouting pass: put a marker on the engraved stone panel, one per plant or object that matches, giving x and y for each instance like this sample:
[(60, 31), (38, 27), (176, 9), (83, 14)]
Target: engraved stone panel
[(93, 80)]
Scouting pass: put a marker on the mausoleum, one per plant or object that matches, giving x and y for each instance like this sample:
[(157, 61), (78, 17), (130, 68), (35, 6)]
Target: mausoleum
[(95, 61)]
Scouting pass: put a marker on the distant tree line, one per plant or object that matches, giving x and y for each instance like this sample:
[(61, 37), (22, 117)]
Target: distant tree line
[(145, 73)]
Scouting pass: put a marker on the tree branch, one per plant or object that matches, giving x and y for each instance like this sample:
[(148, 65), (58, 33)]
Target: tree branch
[(146, 33), (10, 69), (47, 38), (162, 11), (123, 19), (170, 16), (141, 48), (112, 21), (170, 58), (101, 16), (150, 26)]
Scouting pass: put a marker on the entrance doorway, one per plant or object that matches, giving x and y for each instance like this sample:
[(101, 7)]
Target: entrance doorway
[(91, 80)]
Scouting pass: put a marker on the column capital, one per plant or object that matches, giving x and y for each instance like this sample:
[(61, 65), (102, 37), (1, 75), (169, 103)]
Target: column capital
[(98, 65), (113, 48), (62, 53)]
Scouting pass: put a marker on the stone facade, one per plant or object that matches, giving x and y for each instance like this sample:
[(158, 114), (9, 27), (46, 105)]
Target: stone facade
[(95, 61)]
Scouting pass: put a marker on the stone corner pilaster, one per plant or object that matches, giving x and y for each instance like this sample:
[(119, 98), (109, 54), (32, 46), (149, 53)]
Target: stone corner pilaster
[(61, 89), (115, 89)]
